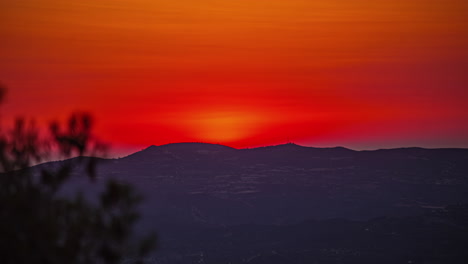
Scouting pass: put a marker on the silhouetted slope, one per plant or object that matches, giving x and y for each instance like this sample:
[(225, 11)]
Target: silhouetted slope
[(180, 150), (208, 184), (211, 184), (256, 205)]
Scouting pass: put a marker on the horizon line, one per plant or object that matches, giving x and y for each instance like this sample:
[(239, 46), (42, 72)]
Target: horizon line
[(305, 146)]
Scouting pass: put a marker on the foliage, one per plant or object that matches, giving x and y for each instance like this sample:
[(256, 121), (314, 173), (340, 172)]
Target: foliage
[(38, 224)]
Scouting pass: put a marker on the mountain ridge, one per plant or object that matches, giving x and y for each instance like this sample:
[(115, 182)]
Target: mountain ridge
[(214, 185), (180, 145)]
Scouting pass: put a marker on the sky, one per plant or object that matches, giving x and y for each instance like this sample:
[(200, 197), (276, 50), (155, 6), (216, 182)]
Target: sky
[(364, 74)]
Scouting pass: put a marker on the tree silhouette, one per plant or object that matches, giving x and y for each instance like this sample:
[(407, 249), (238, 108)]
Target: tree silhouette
[(40, 225)]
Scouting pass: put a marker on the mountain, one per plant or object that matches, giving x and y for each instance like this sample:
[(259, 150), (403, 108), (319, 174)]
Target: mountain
[(215, 185), (293, 204)]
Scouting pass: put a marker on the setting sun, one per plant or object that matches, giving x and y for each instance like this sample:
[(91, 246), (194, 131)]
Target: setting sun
[(220, 126)]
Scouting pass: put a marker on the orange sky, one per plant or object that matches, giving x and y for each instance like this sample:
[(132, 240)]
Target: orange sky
[(358, 73)]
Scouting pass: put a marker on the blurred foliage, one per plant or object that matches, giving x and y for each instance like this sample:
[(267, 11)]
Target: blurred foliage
[(38, 224)]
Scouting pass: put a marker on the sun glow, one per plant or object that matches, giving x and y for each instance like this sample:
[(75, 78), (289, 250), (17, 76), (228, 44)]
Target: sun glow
[(222, 126)]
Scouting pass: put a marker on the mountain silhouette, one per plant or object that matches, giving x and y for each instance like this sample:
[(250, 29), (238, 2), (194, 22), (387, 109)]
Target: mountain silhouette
[(293, 204), (215, 185)]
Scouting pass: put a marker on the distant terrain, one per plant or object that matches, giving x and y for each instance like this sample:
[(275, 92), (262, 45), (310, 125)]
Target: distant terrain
[(294, 204)]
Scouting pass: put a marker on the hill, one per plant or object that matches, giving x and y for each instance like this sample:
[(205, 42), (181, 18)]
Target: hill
[(215, 185), (294, 204)]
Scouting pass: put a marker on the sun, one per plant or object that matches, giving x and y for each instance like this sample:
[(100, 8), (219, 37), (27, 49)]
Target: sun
[(222, 126)]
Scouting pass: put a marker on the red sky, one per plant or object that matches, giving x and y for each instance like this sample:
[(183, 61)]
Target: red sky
[(363, 74)]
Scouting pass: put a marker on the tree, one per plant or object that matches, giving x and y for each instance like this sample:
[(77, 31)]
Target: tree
[(40, 225)]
